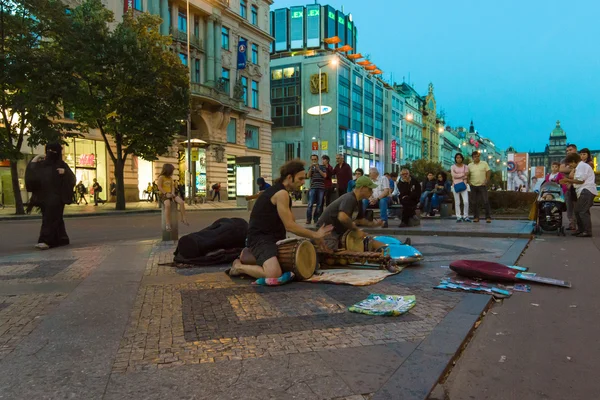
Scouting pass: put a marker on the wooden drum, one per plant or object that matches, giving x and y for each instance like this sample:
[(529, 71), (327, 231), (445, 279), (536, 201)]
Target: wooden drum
[(298, 256), (352, 241)]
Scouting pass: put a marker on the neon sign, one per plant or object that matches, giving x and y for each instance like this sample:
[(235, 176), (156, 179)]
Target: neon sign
[(297, 14), (312, 13)]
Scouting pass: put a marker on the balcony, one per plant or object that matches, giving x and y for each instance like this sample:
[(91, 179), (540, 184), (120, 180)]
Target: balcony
[(181, 36), (214, 96)]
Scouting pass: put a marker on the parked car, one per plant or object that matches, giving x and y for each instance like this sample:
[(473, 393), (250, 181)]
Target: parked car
[(597, 198)]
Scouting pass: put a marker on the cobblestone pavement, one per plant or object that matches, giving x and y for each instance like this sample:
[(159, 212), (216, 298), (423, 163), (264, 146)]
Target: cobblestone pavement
[(200, 315), (23, 275)]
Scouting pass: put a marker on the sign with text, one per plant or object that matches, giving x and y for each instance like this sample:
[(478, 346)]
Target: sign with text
[(315, 145), (242, 54), (324, 145), (394, 154)]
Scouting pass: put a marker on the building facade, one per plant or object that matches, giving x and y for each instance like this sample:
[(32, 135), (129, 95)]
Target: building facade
[(412, 132), (314, 66), (231, 113), (555, 150), (432, 128)]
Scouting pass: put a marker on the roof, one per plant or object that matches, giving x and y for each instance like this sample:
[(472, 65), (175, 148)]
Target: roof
[(558, 132)]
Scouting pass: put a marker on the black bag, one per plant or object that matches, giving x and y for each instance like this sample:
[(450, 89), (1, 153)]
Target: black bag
[(215, 186), (99, 189)]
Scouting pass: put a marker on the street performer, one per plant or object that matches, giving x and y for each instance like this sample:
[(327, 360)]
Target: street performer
[(340, 212), (271, 219)]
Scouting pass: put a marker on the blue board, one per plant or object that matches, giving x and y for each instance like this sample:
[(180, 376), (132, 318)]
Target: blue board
[(401, 253)]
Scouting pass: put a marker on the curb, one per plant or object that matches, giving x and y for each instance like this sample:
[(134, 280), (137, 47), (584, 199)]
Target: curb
[(419, 374)]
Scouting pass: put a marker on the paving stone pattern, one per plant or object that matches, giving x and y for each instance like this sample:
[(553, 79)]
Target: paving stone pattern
[(201, 315)]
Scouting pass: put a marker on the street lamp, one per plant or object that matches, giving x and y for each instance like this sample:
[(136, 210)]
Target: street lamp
[(333, 63), (189, 118)]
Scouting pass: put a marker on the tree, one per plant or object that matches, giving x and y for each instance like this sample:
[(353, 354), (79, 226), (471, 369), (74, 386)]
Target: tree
[(420, 168), (32, 78), (130, 86)]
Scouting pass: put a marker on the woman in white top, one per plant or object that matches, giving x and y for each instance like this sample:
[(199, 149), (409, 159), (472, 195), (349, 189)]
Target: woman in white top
[(460, 174)]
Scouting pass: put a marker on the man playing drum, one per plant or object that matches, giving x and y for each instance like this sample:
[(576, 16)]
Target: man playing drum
[(339, 213), (271, 219)]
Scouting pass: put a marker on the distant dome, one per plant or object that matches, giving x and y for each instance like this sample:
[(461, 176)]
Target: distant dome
[(511, 150), (558, 131)]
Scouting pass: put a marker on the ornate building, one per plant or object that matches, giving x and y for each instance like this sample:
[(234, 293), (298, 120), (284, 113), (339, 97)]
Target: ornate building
[(432, 128), (412, 131)]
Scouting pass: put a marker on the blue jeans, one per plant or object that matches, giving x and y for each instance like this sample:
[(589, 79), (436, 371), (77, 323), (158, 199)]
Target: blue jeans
[(383, 207), (426, 201), (437, 199), (315, 197)]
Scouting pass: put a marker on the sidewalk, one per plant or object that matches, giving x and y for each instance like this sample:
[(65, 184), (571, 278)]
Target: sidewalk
[(112, 322), (543, 344)]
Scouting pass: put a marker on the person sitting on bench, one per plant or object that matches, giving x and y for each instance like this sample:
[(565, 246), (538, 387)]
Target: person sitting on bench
[(409, 190), (380, 197), (270, 220)]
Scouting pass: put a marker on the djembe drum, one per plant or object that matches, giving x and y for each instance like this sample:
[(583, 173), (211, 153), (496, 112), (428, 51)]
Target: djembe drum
[(298, 256), (352, 241)]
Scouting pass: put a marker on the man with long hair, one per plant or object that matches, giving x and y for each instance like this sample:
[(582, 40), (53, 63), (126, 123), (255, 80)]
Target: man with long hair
[(271, 219)]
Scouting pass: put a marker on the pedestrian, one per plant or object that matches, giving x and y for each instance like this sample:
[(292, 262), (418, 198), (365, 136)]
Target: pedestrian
[(584, 182), (271, 219), (113, 189), (571, 195), (155, 192), (97, 190), (216, 191), (343, 174), (440, 193), (479, 177), (409, 193), (262, 184), (380, 197), (357, 174), (328, 180), (166, 188), (586, 157), (460, 187), (556, 176), (427, 192), (51, 182), (81, 191), (317, 174)]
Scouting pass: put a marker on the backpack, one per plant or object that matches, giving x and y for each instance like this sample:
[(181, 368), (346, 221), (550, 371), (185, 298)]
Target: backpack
[(215, 186), (99, 188)]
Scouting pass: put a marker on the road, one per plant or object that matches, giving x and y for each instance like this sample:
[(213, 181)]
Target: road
[(20, 236)]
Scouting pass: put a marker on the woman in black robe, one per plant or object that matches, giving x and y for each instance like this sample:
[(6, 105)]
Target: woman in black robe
[(51, 182)]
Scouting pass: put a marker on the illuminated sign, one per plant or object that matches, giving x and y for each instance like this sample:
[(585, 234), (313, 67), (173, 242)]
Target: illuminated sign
[(331, 15), (297, 14), (394, 151), (87, 160), (341, 20), (315, 110), (313, 13), (244, 181)]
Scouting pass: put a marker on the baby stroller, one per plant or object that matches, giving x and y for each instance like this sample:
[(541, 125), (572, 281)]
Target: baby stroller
[(550, 207)]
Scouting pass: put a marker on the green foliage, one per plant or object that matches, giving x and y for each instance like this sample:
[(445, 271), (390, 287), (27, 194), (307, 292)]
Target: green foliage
[(420, 168), (129, 85), (32, 77)]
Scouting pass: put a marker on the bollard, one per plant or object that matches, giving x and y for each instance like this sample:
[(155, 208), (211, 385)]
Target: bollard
[(174, 234)]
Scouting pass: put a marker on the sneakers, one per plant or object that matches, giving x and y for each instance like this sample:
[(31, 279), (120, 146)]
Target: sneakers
[(42, 246), (476, 220), (308, 222), (488, 220), (385, 224), (459, 219), (467, 219)]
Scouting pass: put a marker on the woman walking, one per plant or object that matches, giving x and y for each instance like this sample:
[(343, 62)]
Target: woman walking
[(460, 175), (166, 188), (51, 182)]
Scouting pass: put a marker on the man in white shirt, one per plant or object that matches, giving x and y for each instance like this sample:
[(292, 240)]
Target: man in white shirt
[(380, 197), (584, 182)]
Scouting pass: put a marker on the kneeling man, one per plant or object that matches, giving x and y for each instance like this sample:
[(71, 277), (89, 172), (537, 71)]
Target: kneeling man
[(271, 219), (339, 213)]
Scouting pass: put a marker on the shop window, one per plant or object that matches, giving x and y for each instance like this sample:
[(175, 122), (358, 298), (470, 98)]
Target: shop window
[(252, 137)]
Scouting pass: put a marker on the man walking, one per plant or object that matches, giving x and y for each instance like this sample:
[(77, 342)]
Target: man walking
[(409, 192), (343, 174), (380, 197), (584, 182), (479, 177), (97, 190), (317, 174), (570, 195)]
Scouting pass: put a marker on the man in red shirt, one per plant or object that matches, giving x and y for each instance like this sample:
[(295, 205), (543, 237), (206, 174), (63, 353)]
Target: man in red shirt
[(328, 181), (343, 173)]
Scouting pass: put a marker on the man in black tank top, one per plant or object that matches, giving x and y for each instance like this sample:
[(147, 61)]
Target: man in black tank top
[(270, 220)]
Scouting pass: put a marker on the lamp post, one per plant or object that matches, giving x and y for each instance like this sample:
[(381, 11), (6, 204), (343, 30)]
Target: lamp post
[(333, 62), (189, 119)]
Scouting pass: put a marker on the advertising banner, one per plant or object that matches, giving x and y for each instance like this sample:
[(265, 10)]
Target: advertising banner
[(242, 54), (518, 168)]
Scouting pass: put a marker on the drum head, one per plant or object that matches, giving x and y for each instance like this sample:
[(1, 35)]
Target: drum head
[(354, 242), (306, 259)]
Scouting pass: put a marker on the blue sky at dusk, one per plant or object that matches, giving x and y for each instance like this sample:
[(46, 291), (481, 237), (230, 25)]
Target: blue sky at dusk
[(514, 66)]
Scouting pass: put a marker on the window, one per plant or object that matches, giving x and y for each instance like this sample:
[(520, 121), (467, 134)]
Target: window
[(231, 131), (196, 27), (225, 76), (245, 86), (182, 21), (225, 38), (243, 8), (254, 15), (276, 74), (197, 70), (251, 135), (255, 94), (254, 53), (137, 4), (183, 58)]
